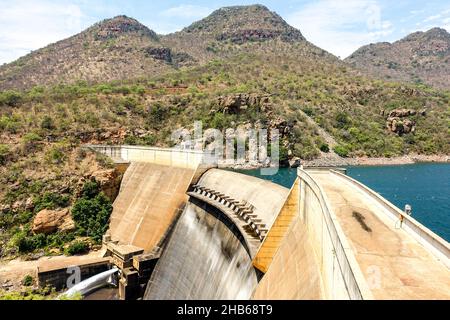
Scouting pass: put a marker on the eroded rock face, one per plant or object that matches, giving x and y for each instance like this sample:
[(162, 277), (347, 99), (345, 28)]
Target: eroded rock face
[(398, 122), (109, 181), (19, 205), (234, 104), (164, 54), (113, 28), (284, 127), (401, 113), (295, 162), (400, 126), (49, 221), (242, 36)]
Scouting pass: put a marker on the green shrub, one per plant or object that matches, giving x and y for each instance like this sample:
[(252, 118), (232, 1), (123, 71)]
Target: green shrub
[(9, 124), (51, 201), (105, 88), (123, 90), (131, 140), (342, 120), (324, 147), (140, 90), (55, 155), (47, 123), (29, 243), (27, 281), (77, 247), (36, 94), (91, 212), (11, 98), (341, 151), (4, 153), (308, 111), (31, 137), (90, 190), (129, 103)]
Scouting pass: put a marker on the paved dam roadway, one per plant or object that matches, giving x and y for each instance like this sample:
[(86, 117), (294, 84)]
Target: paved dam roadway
[(406, 269), (150, 197)]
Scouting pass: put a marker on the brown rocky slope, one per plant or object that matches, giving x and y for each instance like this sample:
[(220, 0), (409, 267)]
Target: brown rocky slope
[(421, 57)]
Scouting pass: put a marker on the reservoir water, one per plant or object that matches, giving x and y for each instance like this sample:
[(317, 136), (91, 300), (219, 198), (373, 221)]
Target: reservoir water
[(425, 186)]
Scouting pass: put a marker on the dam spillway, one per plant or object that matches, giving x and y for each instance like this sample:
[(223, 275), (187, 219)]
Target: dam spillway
[(208, 255), (204, 259)]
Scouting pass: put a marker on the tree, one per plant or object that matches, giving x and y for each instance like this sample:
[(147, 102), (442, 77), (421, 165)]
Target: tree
[(91, 212)]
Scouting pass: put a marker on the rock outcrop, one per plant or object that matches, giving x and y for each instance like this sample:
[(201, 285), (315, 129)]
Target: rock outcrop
[(109, 181), (235, 104), (49, 221), (164, 54), (284, 127), (402, 113), (398, 123), (242, 36)]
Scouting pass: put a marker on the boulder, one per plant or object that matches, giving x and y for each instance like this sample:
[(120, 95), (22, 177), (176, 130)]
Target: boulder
[(400, 126), (398, 123), (295, 162), (109, 181), (48, 221)]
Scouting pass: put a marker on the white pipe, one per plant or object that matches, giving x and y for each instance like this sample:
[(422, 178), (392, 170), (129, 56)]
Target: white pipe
[(88, 285)]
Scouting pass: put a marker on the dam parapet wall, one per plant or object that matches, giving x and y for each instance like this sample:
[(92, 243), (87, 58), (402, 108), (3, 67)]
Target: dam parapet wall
[(180, 158), (341, 275)]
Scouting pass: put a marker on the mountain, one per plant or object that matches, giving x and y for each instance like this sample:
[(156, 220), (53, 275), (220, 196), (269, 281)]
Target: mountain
[(122, 48), (114, 49), (238, 28), (421, 57)]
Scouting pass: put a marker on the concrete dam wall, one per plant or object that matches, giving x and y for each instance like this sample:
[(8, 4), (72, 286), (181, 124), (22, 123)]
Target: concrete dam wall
[(207, 256), (150, 197), (287, 258), (204, 259)]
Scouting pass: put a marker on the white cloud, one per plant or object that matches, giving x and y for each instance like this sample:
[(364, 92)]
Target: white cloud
[(441, 20), (431, 18), (186, 12), (27, 25), (341, 27)]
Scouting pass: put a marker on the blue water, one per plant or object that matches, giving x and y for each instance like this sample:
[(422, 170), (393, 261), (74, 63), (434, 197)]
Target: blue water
[(426, 187)]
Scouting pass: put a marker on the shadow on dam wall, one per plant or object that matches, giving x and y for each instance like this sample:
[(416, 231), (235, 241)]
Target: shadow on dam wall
[(205, 258)]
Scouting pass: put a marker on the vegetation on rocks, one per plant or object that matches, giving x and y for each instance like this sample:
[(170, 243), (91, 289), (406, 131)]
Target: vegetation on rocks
[(91, 214)]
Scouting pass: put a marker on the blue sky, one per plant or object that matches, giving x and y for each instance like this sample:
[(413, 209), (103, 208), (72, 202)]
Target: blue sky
[(337, 26)]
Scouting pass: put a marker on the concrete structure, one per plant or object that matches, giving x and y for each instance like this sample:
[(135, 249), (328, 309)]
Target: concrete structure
[(178, 158), (287, 251), (209, 255), (346, 242), (215, 234), (151, 196), (56, 275), (397, 263)]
